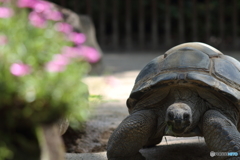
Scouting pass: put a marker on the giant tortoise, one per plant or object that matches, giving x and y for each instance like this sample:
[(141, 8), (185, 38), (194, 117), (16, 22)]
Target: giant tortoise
[(191, 90)]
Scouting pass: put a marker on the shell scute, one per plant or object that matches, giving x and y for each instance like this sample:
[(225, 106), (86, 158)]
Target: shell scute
[(187, 58), (226, 71)]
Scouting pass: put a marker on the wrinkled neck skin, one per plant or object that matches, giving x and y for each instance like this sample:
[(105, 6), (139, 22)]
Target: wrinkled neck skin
[(198, 106)]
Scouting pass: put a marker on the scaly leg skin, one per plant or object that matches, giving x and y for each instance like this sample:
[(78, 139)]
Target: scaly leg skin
[(220, 134), (131, 135)]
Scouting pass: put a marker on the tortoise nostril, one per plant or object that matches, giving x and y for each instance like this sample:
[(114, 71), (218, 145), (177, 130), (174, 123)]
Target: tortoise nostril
[(186, 116), (170, 115)]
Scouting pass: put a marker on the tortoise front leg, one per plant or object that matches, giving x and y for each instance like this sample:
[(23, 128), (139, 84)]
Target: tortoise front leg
[(131, 135), (220, 134)]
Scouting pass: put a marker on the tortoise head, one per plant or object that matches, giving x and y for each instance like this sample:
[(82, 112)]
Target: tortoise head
[(178, 118)]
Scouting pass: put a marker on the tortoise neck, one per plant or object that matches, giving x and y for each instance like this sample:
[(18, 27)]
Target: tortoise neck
[(190, 97), (184, 94)]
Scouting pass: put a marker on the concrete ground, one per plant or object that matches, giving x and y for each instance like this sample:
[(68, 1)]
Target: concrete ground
[(115, 86)]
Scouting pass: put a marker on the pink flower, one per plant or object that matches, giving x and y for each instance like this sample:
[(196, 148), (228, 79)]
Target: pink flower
[(58, 64), (90, 54), (71, 52), (53, 15), (63, 27), (27, 3), (42, 6), (54, 67), (19, 69), (6, 12), (3, 40), (37, 20), (77, 38), (61, 59)]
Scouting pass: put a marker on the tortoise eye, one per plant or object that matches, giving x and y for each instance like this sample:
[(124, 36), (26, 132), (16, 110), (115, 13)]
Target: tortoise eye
[(170, 115), (186, 116)]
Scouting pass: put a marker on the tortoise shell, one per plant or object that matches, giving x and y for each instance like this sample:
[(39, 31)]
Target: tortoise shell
[(195, 63)]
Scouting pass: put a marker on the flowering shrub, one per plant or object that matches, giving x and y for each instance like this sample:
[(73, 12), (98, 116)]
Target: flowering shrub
[(42, 61)]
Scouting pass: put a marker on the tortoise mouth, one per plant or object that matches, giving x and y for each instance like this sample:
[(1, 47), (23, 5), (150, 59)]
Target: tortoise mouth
[(179, 131), (170, 129), (185, 132)]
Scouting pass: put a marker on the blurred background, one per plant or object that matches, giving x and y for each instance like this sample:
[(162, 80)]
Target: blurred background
[(144, 25)]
